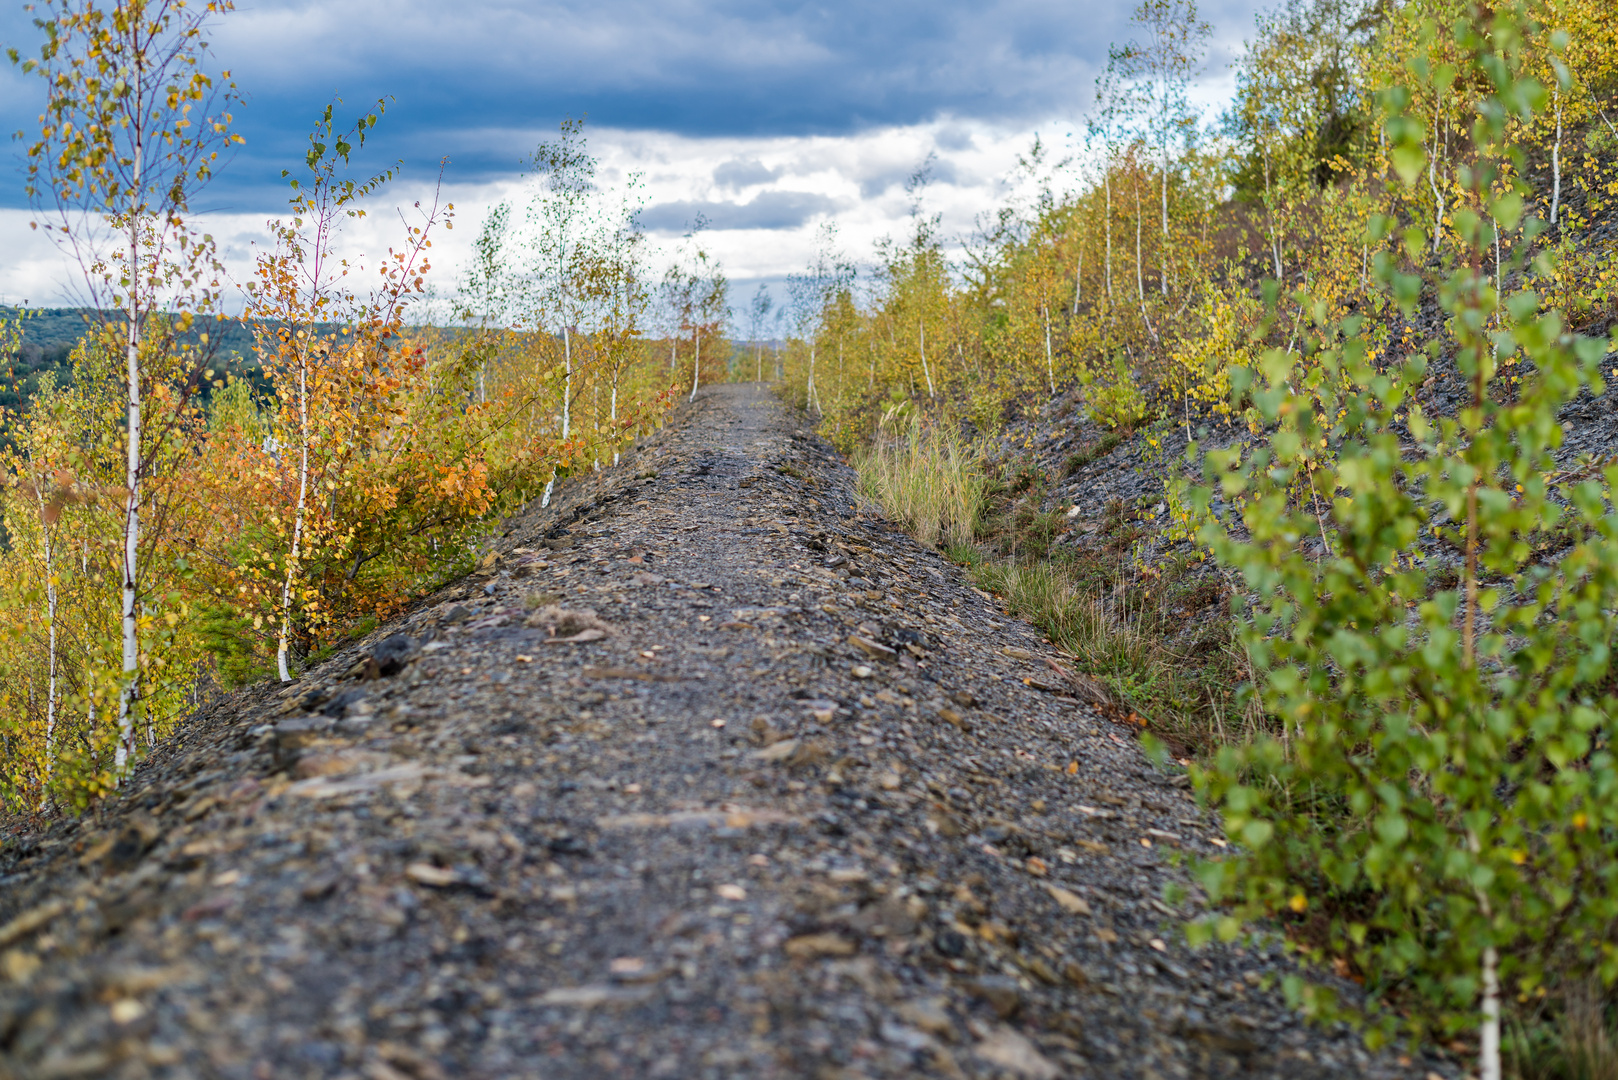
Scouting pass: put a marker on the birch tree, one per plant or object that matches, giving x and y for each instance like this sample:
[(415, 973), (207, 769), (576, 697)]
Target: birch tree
[(562, 217), (297, 289), (758, 313), (132, 128)]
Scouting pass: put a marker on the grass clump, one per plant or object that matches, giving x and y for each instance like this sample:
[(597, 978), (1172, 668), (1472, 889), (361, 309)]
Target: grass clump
[(925, 479)]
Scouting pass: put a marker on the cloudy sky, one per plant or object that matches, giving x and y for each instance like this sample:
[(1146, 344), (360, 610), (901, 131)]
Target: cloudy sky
[(767, 116)]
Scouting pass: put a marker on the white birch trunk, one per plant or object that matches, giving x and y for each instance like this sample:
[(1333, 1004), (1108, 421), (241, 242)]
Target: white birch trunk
[(1489, 1051), (1165, 259), (1432, 182), (696, 363), (1107, 185), (50, 628), (129, 693), (1078, 279), (1269, 213), (567, 380), (1556, 162), (810, 396), (921, 331), (1050, 361), (1140, 271), (284, 645)]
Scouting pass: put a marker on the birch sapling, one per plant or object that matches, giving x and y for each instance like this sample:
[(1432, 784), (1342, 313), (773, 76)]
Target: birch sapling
[(131, 130)]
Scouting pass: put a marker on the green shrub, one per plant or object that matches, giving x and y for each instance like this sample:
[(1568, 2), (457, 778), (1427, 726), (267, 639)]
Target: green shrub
[(1439, 813)]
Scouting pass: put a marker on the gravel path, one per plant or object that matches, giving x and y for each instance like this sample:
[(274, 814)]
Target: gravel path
[(701, 774)]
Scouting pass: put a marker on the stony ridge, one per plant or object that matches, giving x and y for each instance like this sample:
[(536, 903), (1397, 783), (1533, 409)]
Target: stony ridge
[(705, 772)]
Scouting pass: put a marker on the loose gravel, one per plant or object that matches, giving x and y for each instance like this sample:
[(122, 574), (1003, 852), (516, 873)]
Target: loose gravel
[(706, 771)]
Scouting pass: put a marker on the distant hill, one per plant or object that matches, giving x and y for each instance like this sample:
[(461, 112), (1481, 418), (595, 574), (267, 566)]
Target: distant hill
[(49, 335)]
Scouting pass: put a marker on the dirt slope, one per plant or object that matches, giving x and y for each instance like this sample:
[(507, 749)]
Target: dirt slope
[(713, 836)]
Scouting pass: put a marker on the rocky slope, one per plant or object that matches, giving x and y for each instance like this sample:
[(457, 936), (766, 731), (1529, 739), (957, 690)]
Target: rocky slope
[(704, 773)]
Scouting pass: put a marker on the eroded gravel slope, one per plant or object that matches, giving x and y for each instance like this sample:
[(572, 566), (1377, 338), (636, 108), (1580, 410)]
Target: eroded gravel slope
[(724, 840)]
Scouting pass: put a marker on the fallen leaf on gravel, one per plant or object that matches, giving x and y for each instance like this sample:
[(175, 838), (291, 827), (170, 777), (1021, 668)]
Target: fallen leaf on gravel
[(427, 874), (1037, 866), (810, 946), (1071, 902)]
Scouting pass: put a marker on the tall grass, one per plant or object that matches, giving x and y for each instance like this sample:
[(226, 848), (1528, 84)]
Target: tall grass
[(926, 480)]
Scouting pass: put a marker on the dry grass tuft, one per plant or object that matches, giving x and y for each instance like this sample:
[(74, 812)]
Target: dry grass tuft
[(924, 479)]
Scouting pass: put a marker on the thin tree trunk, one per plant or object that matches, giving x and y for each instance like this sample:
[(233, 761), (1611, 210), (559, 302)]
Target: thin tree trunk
[(50, 627), (696, 362), (567, 380), (297, 518), (811, 395), (1107, 184), (1269, 213), (1140, 270), (1078, 278), (129, 693), (1050, 361), (1165, 259), (1432, 182), (921, 330), (1556, 161)]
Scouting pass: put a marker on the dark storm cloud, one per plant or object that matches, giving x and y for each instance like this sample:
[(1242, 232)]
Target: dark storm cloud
[(481, 81)]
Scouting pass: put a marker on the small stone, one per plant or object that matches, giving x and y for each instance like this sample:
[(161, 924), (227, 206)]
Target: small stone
[(1001, 992), (394, 653), (1013, 1052), (777, 751), (436, 877), (295, 734), (18, 965), (875, 650), (127, 1011), (1071, 902), (811, 946), (954, 719), (930, 1015), (860, 671), (319, 887), (950, 943)]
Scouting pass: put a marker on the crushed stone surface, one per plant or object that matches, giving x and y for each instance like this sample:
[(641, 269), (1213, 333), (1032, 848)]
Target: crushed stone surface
[(704, 772)]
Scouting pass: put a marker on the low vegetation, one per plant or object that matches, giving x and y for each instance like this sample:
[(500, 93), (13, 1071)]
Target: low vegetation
[(1373, 604)]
